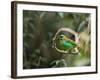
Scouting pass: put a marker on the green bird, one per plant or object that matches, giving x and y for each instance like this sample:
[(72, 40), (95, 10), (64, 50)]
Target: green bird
[(65, 43)]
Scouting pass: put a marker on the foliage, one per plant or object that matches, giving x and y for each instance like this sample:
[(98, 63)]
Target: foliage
[(39, 27)]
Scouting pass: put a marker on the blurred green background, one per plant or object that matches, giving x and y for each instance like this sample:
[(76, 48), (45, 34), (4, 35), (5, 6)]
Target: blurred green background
[(39, 27)]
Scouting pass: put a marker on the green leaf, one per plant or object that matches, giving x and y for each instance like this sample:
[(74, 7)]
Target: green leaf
[(59, 63), (61, 14)]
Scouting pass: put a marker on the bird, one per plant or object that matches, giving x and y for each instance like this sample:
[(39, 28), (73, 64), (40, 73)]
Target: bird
[(64, 43)]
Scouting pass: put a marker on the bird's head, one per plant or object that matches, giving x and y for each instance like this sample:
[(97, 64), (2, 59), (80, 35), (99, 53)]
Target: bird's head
[(62, 37)]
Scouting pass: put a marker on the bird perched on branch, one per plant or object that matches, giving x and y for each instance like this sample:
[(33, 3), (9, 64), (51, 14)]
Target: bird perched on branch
[(64, 43)]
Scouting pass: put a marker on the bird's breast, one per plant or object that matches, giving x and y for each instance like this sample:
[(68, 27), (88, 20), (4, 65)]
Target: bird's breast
[(67, 44)]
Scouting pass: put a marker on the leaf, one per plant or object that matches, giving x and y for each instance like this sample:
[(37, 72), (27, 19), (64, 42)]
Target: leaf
[(83, 25), (59, 63), (42, 14), (61, 14)]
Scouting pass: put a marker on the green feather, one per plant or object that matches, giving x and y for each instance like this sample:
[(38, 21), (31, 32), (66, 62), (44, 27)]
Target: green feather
[(65, 44)]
